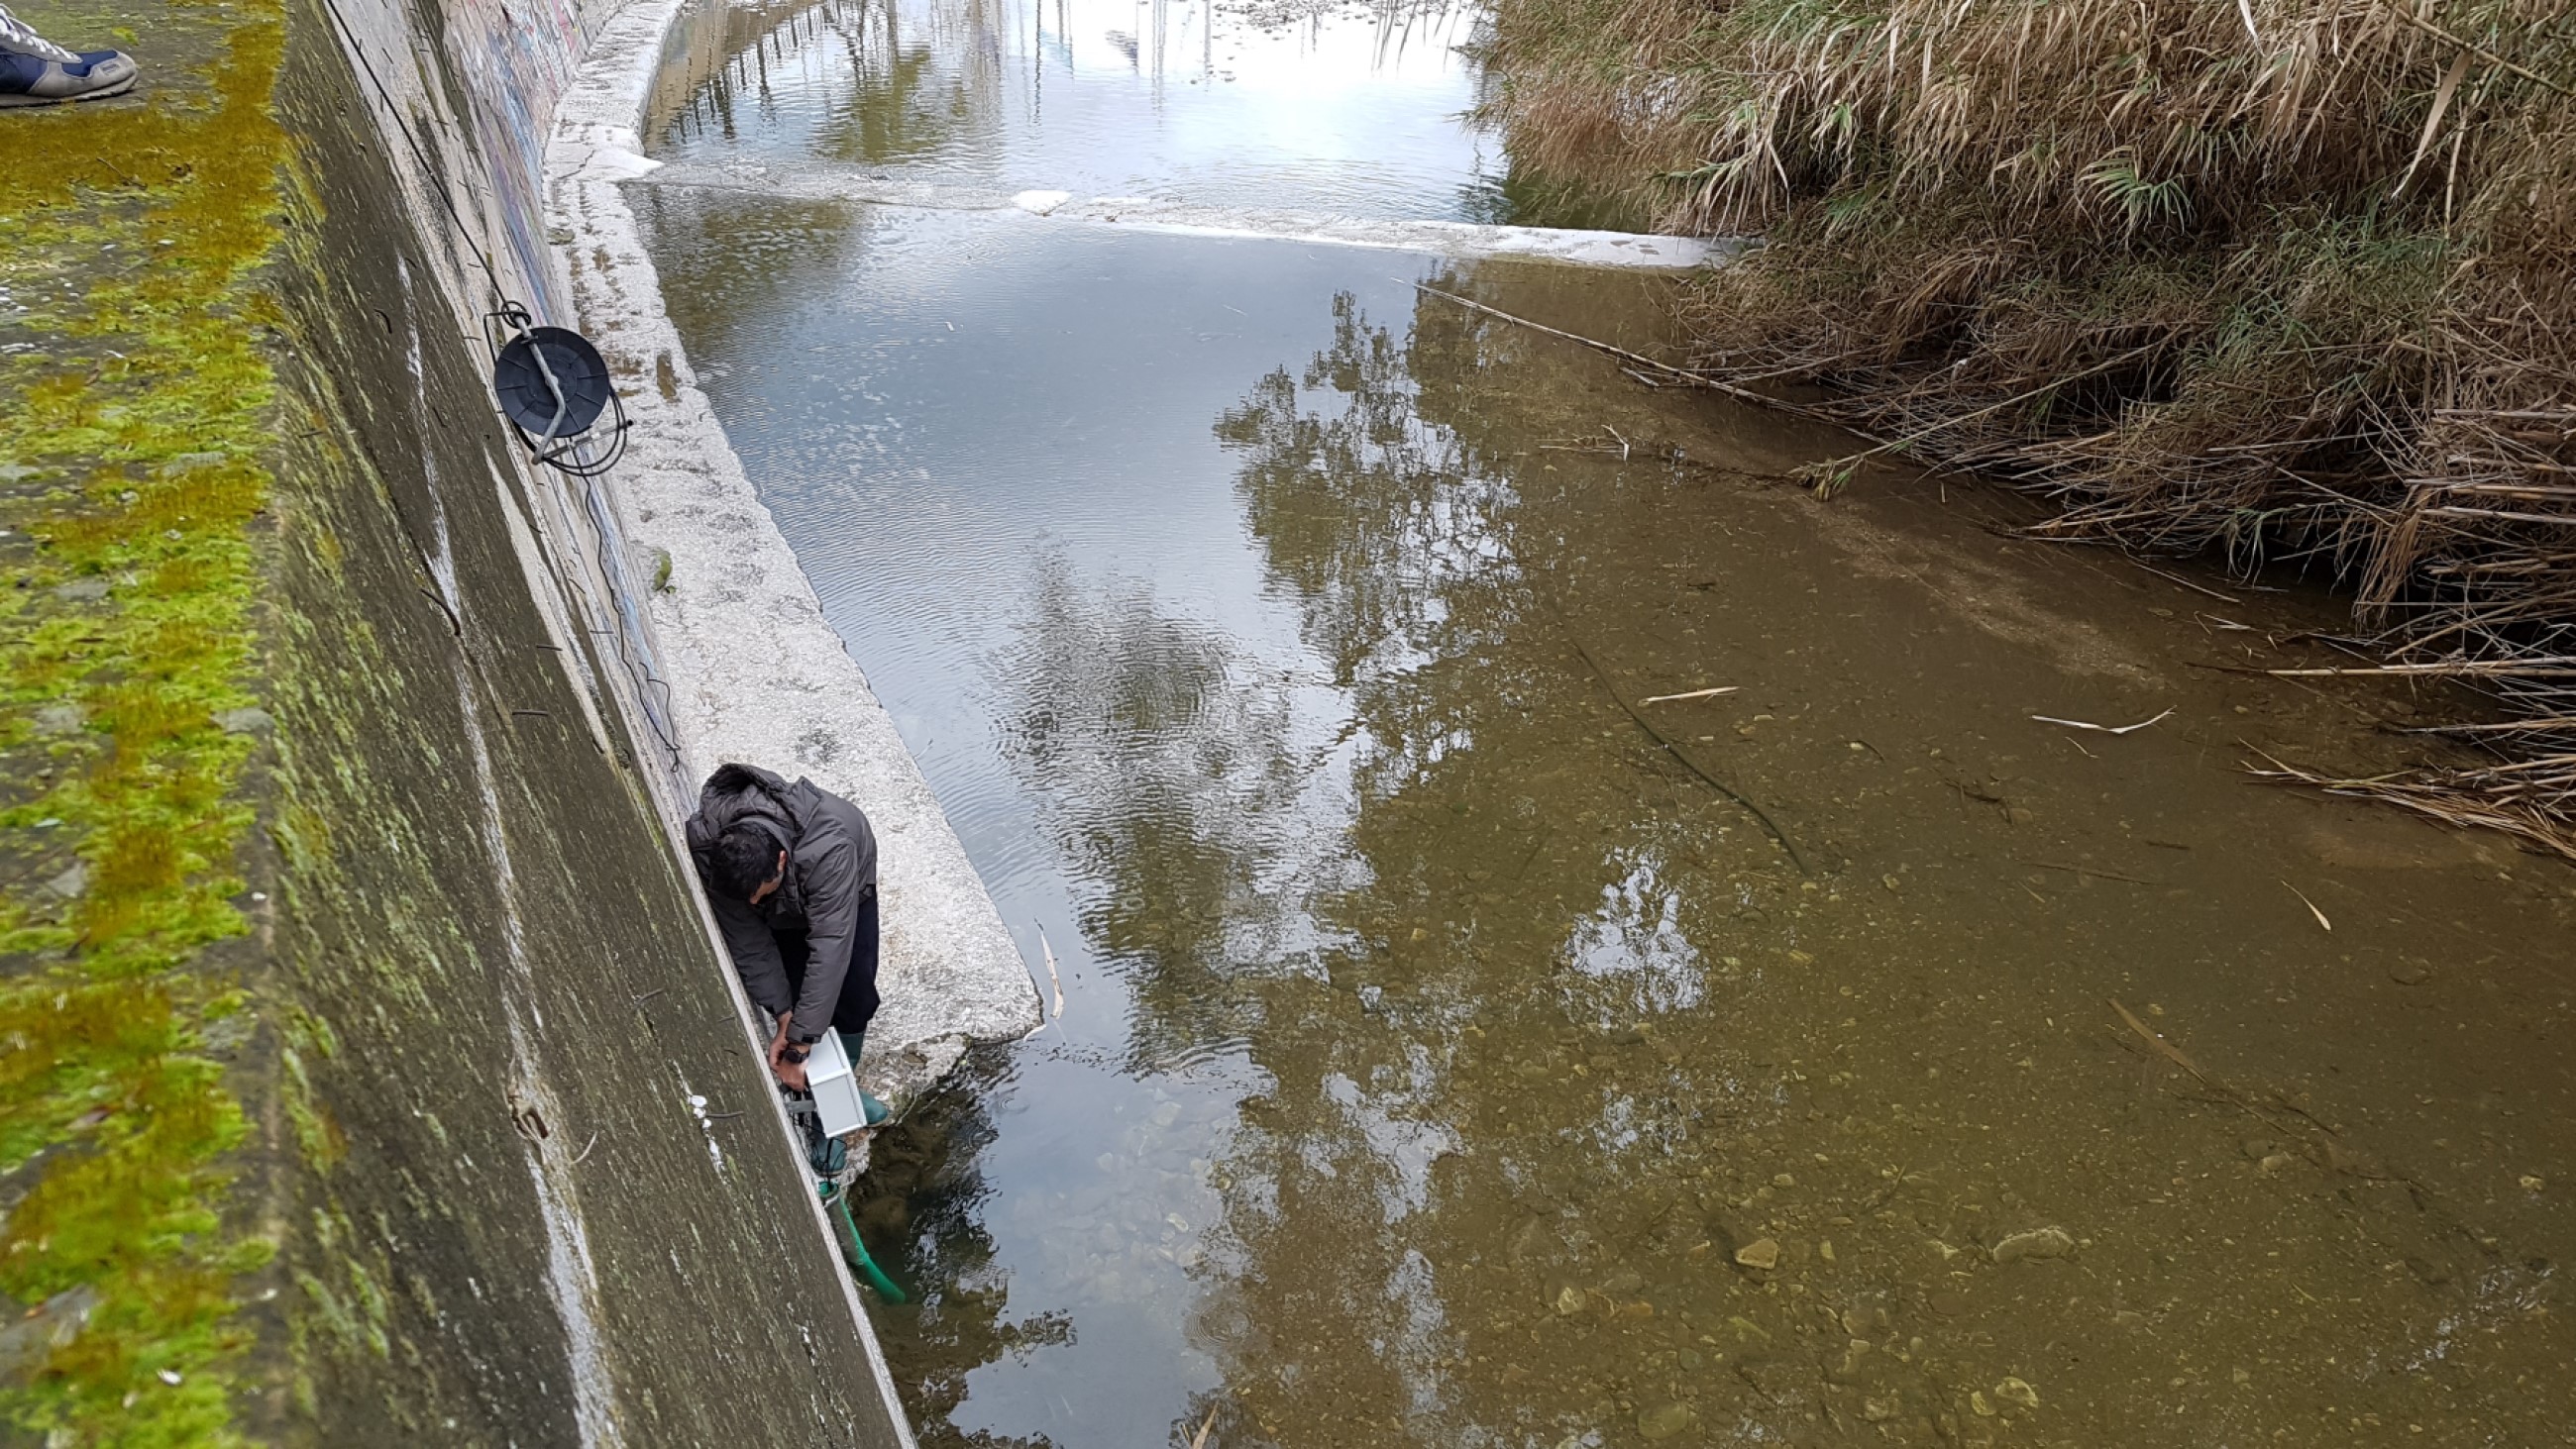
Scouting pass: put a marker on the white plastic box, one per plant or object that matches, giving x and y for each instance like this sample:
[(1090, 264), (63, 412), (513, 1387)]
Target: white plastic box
[(834, 1080)]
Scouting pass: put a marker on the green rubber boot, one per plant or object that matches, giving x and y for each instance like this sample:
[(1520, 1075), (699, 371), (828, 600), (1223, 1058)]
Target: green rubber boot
[(852, 1042)]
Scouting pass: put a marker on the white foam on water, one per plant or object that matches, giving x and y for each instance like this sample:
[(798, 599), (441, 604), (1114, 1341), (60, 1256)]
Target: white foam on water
[(1639, 251)]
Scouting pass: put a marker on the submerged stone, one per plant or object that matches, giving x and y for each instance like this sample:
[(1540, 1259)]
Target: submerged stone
[(1663, 1421), (2037, 1243)]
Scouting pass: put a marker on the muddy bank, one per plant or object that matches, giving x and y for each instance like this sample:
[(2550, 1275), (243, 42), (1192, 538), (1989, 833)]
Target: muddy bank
[(2258, 281)]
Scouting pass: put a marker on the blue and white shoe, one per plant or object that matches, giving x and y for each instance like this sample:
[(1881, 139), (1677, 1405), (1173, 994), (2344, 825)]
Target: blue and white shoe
[(36, 72)]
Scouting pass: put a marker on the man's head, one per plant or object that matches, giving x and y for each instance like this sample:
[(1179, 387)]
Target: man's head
[(746, 863)]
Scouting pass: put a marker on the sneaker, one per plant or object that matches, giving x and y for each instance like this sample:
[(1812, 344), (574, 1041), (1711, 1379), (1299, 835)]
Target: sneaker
[(36, 72)]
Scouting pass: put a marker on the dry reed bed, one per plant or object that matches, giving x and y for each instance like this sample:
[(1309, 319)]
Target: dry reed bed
[(2276, 277)]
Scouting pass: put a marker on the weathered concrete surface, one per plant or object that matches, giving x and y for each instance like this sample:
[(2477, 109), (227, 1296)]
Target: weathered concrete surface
[(372, 1073), (756, 673), (548, 1223)]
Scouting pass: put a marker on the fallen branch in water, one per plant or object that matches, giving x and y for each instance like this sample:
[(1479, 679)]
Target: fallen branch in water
[(2087, 870), (1694, 694), (1684, 374), (1828, 477), (1714, 783), (2546, 668), (2080, 724), (2513, 798)]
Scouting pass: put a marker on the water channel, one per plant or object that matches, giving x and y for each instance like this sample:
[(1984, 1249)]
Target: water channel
[(1470, 1038)]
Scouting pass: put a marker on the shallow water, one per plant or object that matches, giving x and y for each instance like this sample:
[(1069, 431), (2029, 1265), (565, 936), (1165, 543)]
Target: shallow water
[(1462, 1046)]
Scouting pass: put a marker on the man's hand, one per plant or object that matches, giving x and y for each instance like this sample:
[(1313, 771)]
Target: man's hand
[(790, 1074)]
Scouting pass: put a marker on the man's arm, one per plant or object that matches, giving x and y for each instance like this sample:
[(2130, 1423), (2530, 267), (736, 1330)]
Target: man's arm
[(755, 954), (831, 917)]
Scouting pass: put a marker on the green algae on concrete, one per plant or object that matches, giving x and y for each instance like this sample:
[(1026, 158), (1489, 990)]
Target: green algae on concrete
[(135, 402)]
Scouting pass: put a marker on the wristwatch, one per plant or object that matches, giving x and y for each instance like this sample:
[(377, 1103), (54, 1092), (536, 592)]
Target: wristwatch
[(796, 1054)]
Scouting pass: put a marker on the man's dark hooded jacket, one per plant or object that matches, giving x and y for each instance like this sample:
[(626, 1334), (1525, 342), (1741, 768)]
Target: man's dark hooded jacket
[(831, 872)]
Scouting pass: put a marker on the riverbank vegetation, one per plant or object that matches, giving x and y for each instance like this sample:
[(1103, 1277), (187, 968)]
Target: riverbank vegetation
[(2281, 279)]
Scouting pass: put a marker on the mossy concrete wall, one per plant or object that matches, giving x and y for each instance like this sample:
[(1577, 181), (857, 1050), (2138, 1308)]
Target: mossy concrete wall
[(371, 1076)]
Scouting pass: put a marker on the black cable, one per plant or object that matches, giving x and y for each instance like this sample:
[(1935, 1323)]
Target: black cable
[(436, 180), (641, 674)]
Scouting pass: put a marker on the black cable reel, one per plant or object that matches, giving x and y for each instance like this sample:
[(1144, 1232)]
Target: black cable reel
[(553, 386)]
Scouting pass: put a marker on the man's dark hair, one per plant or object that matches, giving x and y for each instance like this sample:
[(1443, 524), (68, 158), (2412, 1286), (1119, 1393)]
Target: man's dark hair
[(742, 861)]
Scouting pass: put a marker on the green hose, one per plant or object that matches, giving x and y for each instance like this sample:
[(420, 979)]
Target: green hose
[(876, 1275)]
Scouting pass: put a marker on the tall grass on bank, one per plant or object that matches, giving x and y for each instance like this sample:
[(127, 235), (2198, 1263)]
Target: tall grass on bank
[(2268, 276)]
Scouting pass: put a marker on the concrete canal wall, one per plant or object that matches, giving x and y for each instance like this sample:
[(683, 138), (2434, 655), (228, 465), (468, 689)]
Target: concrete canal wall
[(375, 1077)]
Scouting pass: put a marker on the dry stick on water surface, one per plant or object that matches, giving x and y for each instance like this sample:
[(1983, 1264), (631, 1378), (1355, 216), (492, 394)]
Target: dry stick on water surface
[(1055, 979), (1695, 379), (2311, 905), (2235, 1098), (2082, 724), (1675, 750)]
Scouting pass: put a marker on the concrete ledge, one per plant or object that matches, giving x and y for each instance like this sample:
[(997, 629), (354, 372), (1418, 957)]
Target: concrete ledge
[(756, 672), (1634, 251)]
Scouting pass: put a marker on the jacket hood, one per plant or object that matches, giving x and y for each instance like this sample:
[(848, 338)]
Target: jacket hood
[(739, 795)]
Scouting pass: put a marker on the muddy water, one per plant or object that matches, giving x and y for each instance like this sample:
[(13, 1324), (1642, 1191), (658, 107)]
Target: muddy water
[(1464, 1044)]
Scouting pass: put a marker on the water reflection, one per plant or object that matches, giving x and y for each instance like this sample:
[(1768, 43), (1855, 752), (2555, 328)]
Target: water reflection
[(775, 258), (1511, 924), (930, 1196), (1178, 780), (1551, 1103), (1447, 1059), (1332, 108)]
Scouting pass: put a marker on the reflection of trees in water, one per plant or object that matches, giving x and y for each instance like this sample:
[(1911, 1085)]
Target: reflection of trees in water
[(924, 1190), (1170, 772), (748, 260), (1515, 915), (921, 78), (1492, 893), (907, 79), (726, 49)]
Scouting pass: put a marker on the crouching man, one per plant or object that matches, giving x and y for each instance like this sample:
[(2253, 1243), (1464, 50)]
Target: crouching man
[(792, 873)]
